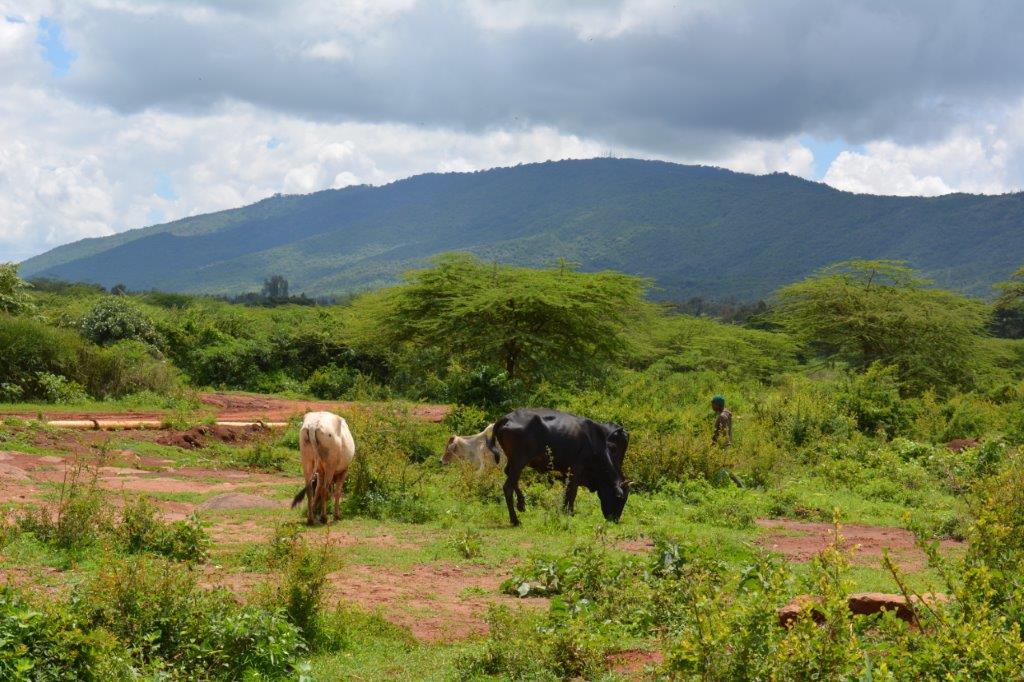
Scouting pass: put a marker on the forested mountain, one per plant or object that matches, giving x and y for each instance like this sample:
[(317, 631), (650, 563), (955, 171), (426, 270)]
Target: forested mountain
[(694, 230)]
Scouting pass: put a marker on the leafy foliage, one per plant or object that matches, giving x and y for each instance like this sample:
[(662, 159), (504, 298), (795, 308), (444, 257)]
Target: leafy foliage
[(534, 324), (14, 299), (116, 318), (862, 312)]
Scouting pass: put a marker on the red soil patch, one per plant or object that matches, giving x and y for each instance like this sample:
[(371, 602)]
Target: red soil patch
[(244, 407), (201, 436), (634, 662), (636, 545), (429, 599), (238, 407), (160, 484), (801, 541)]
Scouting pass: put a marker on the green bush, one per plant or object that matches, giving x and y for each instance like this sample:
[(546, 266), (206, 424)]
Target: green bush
[(238, 363), (141, 531), (30, 349), (48, 644), (873, 399), (331, 382), (55, 388), (116, 318), (172, 622)]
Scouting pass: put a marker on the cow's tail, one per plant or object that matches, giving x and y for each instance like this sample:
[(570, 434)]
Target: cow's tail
[(492, 439), (308, 490)]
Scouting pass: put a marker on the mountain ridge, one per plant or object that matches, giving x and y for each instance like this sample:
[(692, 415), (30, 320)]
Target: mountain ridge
[(694, 230)]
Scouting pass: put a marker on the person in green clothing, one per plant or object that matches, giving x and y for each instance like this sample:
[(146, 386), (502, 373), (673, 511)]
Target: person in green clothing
[(723, 423), (722, 437)]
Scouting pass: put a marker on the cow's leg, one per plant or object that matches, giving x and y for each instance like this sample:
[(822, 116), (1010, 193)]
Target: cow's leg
[(339, 483), (512, 474), (571, 486), (307, 452), (520, 499)]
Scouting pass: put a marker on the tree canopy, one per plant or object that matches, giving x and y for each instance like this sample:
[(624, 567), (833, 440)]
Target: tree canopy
[(1008, 311), (14, 298), (532, 324), (867, 311)]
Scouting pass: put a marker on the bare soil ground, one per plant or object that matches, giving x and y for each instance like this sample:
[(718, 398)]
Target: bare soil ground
[(438, 602), (801, 541), (238, 407)]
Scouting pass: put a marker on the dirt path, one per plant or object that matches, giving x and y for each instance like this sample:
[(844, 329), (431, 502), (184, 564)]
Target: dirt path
[(801, 541), (238, 407), (438, 602)]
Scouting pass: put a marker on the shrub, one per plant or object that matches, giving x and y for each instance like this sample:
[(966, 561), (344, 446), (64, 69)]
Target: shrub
[(115, 318), (465, 420), (14, 300), (171, 621), (141, 531), (81, 516), (236, 363), (331, 382), (29, 349), (873, 399), (47, 644), (58, 389), (127, 367)]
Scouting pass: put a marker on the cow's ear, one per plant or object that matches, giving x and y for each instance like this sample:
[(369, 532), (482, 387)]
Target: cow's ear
[(451, 440)]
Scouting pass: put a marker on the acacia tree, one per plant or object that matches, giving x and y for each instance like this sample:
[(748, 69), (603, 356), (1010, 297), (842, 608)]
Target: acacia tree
[(14, 298), (1008, 311), (533, 323), (866, 311)]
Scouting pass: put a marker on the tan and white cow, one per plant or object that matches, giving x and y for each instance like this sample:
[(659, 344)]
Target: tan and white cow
[(327, 450), (473, 449)]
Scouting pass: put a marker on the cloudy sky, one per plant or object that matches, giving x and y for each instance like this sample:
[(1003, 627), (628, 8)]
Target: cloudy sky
[(116, 114)]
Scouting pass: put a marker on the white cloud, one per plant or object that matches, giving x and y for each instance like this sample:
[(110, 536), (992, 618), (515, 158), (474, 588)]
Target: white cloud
[(985, 158), (295, 97), (328, 50)]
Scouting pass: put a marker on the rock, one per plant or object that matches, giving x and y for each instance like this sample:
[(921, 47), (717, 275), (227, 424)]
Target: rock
[(5, 455), (13, 473), (860, 604), (52, 459), (238, 501), (800, 605), (869, 603), (961, 444)]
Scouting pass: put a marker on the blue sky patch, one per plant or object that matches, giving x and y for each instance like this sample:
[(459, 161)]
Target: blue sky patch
[(164, 188), (826, 151), (273, 143), (55, 52)]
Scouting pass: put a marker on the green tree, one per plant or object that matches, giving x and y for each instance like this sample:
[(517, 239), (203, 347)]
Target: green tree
[(861, 312), (533, 324), (1008, 311), (115, 318), (14, 298)]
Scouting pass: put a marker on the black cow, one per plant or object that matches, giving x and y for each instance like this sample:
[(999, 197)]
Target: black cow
[(589, 452)]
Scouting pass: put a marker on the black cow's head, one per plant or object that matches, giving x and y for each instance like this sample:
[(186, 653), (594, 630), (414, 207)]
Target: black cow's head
[(614, 491)]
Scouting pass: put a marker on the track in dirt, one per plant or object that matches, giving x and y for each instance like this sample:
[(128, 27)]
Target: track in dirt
[(240, 407), (801, 541)]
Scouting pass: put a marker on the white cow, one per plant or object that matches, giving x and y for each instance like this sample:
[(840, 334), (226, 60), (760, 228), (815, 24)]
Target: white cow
[(327, 450), (473, 449)]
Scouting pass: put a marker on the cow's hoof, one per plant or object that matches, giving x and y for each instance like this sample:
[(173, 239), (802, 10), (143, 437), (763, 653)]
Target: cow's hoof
[(515, 523), (521, 506)]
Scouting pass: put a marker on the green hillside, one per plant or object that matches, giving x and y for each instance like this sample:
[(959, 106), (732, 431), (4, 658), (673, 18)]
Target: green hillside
[(694, 230)]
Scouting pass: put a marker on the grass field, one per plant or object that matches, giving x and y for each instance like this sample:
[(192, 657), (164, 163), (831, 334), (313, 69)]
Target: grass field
[(409, 583)]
